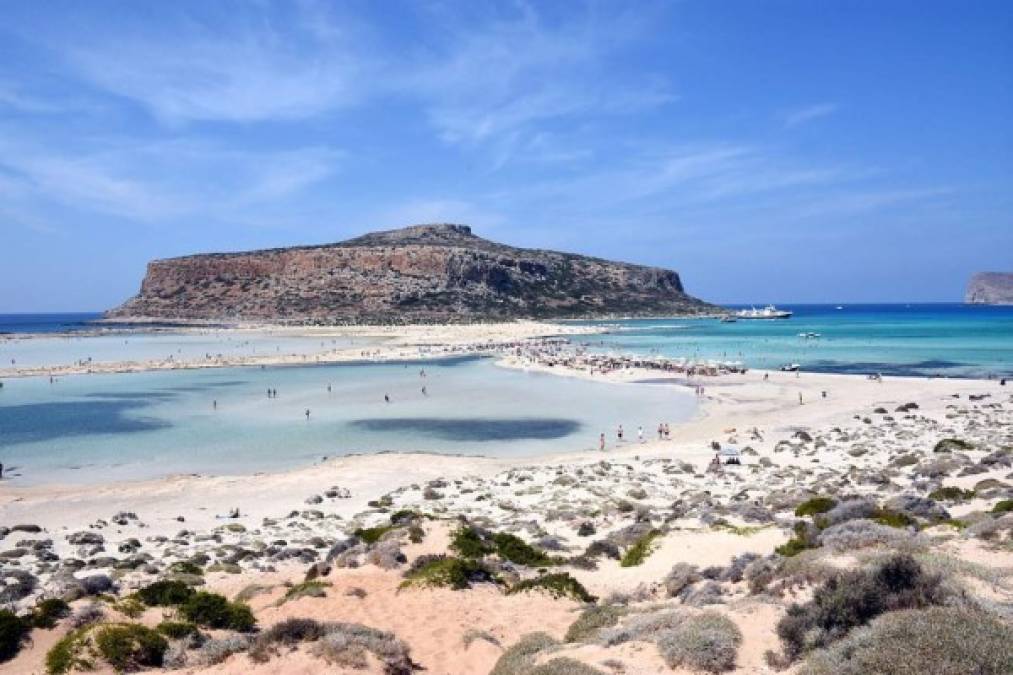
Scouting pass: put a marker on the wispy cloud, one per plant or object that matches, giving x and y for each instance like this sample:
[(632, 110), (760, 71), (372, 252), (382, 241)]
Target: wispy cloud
[(809, 113), (163, 180)]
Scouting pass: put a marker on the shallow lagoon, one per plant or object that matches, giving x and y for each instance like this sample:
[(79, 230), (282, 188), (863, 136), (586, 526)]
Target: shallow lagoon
[(96, 428), (69, 349)]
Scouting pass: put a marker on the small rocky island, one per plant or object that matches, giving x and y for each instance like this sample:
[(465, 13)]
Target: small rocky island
[(990, 288), (422, 273)]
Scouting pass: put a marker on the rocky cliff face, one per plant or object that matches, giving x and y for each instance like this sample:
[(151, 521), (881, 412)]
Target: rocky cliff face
[(990, 288), (416, 274)]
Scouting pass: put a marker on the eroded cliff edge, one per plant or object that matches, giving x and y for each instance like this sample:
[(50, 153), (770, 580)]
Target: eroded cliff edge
[(415, 274)]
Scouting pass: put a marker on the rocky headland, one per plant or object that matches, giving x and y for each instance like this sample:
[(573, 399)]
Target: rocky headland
[(418, 274), (990, 288)]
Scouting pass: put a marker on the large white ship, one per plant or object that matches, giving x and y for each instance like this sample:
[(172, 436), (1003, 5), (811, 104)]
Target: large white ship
[(768, 312)]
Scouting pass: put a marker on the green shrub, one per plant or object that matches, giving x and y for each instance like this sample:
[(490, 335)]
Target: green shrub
[(852, 599), (952, 494), (448, 571), (641, 548), (13, 631), (165, 593), (951, 444), (289, 632), (371, 535), (468, 542), (519, 658), (186, 567), (792, 547), (811, 507), (1004, 506), (591, 621), (214, 611), (307, 589), (894, 518), (518, 551), (48, 612), (64, 656), (176, 630), (937, 640), (559, 585), (128, 647)]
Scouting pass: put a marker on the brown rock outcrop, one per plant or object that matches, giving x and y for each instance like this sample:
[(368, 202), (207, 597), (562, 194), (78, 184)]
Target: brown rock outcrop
[(415, 274)]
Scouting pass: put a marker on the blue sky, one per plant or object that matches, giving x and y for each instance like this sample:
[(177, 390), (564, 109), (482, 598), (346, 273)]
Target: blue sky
[(802, 151)]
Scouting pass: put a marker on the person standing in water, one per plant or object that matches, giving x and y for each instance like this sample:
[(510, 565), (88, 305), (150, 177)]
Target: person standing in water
[(601, 442), (214, 404), (386, 398), (307, 414), (619, 433), (640, 434)]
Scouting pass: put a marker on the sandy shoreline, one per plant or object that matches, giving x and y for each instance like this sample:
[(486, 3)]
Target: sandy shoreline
[(864, 440)]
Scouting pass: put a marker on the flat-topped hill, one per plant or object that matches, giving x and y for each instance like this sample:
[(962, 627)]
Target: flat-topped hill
[(414, 274), (990, 288)]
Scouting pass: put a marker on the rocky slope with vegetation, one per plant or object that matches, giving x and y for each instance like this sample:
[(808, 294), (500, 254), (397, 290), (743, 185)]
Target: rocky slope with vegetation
[(416, 274)]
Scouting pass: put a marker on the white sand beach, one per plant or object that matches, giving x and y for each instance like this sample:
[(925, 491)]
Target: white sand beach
[(850, 438)]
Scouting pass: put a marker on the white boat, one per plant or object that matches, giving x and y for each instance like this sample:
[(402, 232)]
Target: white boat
[(809, 336), (790, 367), (728, 318), (768, 312), (840, 307)]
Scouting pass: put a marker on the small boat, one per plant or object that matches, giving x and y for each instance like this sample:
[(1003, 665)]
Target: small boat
[(768, 312), (839, 307), (790, 367), (809, 336), (728, 318)]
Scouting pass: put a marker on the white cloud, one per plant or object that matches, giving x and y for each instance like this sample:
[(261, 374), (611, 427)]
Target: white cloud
[(799, 116)]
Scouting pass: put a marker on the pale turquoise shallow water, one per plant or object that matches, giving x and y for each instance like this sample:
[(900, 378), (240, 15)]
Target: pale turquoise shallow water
[(948, 340), (95, 428)]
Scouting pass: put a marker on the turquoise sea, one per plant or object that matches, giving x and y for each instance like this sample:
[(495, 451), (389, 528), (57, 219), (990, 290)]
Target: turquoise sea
[(929, 340), (94, 428)]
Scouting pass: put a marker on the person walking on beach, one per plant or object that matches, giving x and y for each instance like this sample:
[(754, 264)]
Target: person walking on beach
[(800, 398), (668, 432), (640, 434), (601, 445), (661, 431), (619, 433)]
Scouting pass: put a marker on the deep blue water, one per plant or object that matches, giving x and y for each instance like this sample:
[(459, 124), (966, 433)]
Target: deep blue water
[(46, 323)]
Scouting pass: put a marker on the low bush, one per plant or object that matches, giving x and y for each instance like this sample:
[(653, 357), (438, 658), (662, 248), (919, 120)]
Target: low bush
[(518, 551), (469, 542), (177, 630), (48, 612), (13, 632), (165, 593), (814, 506), (853, 599), (894, 518), (306, 589), (448, 571), (558, 585), (641, 548), (855, 534), (371, 535), (1004, 506), (213, 652), (708, 641), (129, 647), (214, 611), (681, 575), (288, 633), (591, 621), (937, 640), (951, 444), (951, 493), (346, 645), (519, 658), (186, 567)]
